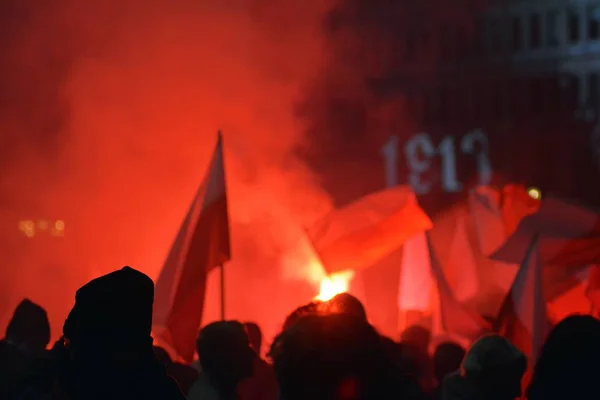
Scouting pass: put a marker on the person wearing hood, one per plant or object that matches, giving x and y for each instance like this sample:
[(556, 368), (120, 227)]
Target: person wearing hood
[(107, 345), (491, 370), (27, 335)]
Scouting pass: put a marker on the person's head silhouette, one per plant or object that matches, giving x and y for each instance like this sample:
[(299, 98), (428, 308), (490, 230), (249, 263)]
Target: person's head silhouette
[(567, 365)]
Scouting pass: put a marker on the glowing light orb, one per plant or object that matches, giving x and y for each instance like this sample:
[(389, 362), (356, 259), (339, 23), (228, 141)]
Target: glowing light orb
[(534, 193)]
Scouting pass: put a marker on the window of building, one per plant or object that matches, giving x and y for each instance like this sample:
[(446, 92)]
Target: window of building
[(445, 41), (573, 26), (569, 92), (496, 35), (517, 33), (535, 34), (411, 47), (518, 97), (552, 28), (425, 44), (497, 99), (593, 89), (477, 36), (432, 107), (593, 20), (537, 95), (442, 104)]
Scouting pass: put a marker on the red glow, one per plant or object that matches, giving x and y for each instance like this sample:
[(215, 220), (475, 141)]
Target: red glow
[(143, 104)]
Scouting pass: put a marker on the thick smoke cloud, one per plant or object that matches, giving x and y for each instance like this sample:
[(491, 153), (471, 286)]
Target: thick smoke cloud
[(109, 112)]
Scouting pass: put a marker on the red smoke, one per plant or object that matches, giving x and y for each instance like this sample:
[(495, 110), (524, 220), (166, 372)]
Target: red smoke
[(138, 90)]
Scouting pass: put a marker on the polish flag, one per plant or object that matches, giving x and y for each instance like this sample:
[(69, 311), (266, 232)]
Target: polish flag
[(415, 285), (364, 232), (559, 235), (523, 317), (201, 245), (461, 258), (484, 204), (568, 235), (454, 317)]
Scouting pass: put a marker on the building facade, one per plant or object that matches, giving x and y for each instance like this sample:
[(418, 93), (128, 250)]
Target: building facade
[(504, 92)]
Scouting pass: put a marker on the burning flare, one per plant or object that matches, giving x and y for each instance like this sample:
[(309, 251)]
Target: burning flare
[(334, 284)]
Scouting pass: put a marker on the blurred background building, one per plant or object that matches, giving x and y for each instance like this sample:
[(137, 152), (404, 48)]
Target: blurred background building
[(524, 75), (504, 91)]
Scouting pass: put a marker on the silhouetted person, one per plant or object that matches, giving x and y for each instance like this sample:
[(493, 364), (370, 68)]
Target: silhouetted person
[(107, 343), (226, 359), (262, 385), (162, 355), (312, 308), (335, 356), (255, 336), (347, 304), (415, 342), (491, 370), (406, 370), (27, 335), (418, 337), (567, 367), (184, 375), (446, 360)]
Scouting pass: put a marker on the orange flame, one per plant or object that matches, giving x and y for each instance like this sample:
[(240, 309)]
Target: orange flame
[(305, 265), (334, 284)]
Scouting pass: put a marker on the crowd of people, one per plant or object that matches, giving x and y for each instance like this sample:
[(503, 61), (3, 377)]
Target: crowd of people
[(324, 351)]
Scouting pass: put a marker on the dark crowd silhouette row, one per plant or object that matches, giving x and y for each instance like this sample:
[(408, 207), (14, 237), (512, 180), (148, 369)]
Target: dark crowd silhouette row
[(325, 350)]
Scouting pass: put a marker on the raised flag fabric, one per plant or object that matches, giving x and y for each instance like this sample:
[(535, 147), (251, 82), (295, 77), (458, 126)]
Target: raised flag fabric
[(523, 317), (455, 318), (484, 205), (568, 235), (462, 258), (201, 244), (415, 286), (516, 204), (364, 232)]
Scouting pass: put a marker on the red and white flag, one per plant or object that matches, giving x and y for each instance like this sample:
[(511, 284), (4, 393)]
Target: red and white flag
[(414, 289), (461, 258), (568, 235), (454, 317), (202, 244), (523, 317), (484, 205), (364, 232)]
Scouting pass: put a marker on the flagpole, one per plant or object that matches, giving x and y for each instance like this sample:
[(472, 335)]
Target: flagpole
[(222, 274)]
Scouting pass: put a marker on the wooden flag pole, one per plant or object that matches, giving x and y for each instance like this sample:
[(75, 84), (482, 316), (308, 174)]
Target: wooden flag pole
[(222, 274)]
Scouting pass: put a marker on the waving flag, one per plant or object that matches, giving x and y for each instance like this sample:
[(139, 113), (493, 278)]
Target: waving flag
[(568, 236), (484, 205), (415, 285), (202, 244), (455, 318), (523, 317), (559, 237), (366, 231)]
